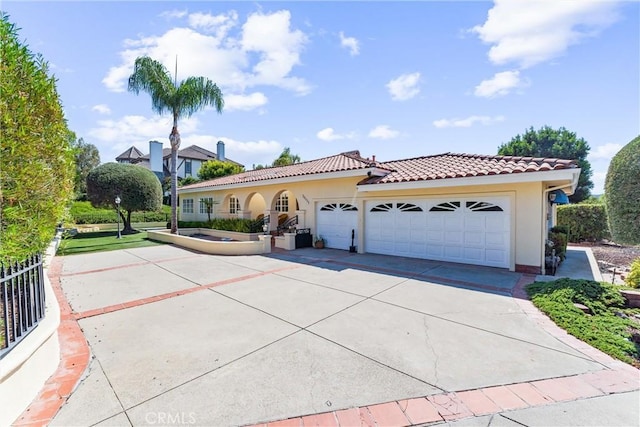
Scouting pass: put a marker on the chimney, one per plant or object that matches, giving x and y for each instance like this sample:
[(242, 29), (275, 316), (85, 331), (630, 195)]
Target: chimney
[(220, 150), (155, 156), (373, 158)]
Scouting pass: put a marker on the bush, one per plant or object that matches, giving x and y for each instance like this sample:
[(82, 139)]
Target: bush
[(603, 329), (84, 213), (585, 222), (633, 278), (559, 241), (622, 188), (36, 158), (226, 224)]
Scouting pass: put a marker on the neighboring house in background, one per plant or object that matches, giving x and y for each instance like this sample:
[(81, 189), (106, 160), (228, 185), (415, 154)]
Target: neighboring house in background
[(472, 209), (130, 156), (159, 159)]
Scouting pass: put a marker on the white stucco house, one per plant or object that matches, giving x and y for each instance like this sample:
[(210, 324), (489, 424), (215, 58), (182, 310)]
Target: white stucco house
[(474, 209)]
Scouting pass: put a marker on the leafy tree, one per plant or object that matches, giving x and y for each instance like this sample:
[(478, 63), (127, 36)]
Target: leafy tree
[(286, 158), (180, 100), (36, 159), (87, 158), (562, 144), (187, 180), (138, 188), (215, 169), (622, 190)]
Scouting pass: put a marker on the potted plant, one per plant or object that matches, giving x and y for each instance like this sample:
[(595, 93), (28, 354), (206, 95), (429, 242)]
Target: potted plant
[(318, 243)]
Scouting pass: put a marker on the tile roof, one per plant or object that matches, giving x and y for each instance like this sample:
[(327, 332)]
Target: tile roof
[(452, 165), (341, 162), (130, 154), (440, 166)]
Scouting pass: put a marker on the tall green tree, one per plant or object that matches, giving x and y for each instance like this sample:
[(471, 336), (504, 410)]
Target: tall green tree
[(215, 169), (36, 158), (622, 194), (138, 188), (180, 100), (87, 158), (561, 144), (286, 158)]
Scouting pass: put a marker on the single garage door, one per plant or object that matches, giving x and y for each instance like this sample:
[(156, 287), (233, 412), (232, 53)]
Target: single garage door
[(335, 222), (466, 230)]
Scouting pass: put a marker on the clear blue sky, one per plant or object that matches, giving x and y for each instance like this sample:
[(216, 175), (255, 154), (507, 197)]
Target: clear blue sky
[(391, 79)]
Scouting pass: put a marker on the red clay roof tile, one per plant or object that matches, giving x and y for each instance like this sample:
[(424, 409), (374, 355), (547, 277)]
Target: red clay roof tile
[(440, 166)]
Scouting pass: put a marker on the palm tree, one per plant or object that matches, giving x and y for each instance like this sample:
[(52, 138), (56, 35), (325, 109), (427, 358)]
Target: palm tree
[(286, 158), (181, 100)]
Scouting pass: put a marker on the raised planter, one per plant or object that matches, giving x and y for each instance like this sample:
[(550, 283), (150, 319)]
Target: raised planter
[(632, 297), (261, 245)]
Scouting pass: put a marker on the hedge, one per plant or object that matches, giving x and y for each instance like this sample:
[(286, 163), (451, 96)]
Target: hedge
[(226, 224), (622, 187), (36, 157), (585, 222)]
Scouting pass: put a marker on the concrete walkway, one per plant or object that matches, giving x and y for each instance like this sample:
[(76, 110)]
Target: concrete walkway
[(319, 337)]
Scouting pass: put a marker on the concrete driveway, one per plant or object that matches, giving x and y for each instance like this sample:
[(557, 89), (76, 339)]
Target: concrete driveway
[(179, 337)]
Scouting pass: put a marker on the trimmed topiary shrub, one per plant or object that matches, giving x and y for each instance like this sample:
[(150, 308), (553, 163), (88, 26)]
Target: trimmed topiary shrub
[(36, 158), (622, 188), (138, 188), (584, 222)]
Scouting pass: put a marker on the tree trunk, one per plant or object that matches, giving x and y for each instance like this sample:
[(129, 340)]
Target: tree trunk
[(126, 223), (174, 138)]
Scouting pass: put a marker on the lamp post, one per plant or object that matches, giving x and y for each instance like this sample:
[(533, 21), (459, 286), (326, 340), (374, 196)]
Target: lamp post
[(118, 215)]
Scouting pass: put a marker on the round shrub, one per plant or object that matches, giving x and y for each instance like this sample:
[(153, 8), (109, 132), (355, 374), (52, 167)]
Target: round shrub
[(622, 188)]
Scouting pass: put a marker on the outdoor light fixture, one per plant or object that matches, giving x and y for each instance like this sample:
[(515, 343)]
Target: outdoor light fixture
[(118, 215), (265, 227)]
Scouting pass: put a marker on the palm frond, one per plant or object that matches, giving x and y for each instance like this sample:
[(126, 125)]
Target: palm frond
[(152, 77), (194, 93)]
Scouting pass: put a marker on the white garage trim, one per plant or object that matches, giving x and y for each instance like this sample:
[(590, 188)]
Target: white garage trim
[(335, 221), (470, 230)]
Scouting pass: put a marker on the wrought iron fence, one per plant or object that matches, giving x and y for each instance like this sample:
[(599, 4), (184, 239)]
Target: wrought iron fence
[(22, 303)]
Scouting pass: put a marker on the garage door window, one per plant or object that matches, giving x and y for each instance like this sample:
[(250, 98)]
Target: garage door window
[(402, 207), (445, 207), (483, 207), (338, 207)]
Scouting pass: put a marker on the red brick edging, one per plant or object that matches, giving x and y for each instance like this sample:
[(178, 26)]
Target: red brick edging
[(74, 358)]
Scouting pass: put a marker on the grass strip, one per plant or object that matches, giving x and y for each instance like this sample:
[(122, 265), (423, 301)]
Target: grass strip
[(100, 241)]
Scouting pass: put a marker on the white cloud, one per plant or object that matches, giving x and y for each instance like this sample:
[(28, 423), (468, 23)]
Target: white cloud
[(263, 51), (350, 43), (404, 87), (101, 108), (214, 24), (467, 122), (598, 178), (115, 136), (245, 152), (245, 102), (383, 132), (500, 84), (328, 134), (528, 32), (172, 14), (604, 152)]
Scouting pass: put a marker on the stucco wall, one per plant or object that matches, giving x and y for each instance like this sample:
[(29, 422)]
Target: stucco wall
[(526, 206)]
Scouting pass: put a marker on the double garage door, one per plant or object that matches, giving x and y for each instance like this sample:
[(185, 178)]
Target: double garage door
[(466, 230)]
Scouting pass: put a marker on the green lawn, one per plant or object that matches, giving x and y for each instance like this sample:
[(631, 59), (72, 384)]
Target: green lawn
[(609, 326), (103, 241)]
